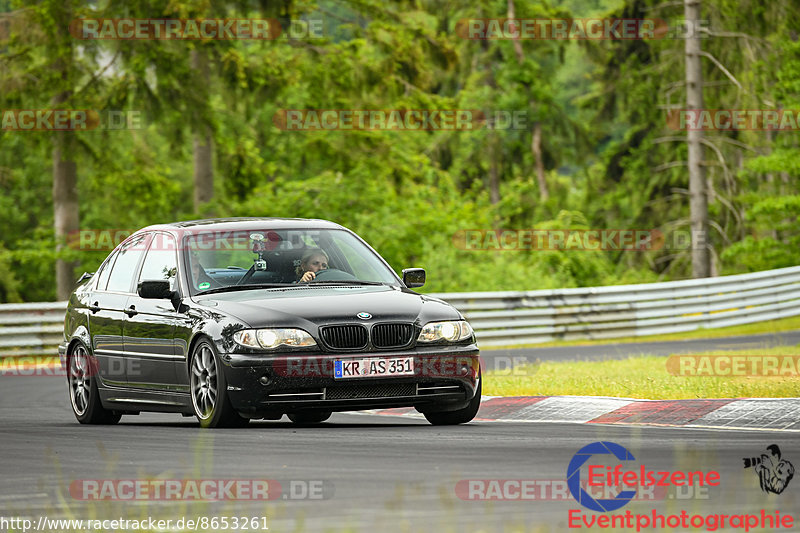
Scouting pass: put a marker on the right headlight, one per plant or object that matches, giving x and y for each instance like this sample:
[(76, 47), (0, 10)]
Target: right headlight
[(450, 331), (269, 338)]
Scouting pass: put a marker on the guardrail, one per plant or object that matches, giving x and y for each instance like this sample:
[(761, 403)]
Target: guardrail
[(530, 317), (31, 328)]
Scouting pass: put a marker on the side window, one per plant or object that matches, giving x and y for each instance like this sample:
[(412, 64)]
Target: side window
[(161, 261), (124, 269), (102, 281)]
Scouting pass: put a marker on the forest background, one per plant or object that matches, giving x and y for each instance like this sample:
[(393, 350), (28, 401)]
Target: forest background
[(596, 150)]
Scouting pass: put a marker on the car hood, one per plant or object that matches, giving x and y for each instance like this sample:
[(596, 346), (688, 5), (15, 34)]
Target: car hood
[(303, 306)]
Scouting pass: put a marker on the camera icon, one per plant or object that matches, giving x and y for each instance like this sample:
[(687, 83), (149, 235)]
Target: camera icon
[(750, 462)]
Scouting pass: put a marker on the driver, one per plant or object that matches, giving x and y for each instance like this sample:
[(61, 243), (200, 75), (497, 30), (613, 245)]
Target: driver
[(200, 277), (312, 262)]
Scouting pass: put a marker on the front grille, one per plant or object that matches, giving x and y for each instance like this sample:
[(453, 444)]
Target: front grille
[(370, 391), (392, 335), (350, 337)]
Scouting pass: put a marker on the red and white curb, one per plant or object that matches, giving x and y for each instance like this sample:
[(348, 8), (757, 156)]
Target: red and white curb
[(781, 414)]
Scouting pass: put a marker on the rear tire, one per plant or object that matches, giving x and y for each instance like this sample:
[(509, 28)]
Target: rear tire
[(82, 370), (309, 417), (209, 389), (460, 416)]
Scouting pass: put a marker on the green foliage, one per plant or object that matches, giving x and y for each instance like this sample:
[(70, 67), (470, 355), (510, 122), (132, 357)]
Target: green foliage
[(610, 158)]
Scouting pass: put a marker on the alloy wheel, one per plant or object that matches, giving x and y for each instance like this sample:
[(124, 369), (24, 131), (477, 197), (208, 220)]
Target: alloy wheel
[(204, 382), (79, 380)]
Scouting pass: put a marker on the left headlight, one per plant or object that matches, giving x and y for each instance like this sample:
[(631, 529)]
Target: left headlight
[(273, 338), (451, 331)]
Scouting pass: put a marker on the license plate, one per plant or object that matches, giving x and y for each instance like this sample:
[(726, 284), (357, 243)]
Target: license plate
[(373, 366)]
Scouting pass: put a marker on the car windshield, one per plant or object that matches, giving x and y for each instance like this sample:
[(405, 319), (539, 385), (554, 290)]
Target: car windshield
[(265, 257)]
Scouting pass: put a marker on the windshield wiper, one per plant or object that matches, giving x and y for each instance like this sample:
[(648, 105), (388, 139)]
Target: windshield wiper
[(244, 287)]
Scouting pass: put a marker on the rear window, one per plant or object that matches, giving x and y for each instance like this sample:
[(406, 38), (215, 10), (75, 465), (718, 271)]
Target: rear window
[(105, 270)]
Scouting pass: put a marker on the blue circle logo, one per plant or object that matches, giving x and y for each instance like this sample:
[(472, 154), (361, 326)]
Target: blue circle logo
[(574, 476), (364, 316)]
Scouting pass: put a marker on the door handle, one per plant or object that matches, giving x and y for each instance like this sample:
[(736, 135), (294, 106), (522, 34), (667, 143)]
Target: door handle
[(131, 311), (95, 307)]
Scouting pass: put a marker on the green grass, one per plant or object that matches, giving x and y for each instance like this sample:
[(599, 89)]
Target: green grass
[(773, 326), (637, 377)]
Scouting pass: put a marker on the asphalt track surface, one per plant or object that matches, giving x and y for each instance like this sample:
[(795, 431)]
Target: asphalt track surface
[(377, 473)]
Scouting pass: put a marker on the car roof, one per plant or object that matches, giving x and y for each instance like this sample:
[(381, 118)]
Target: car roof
[(246, 223)]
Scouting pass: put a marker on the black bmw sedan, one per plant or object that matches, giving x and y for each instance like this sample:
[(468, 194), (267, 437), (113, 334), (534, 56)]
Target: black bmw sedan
[(255, 318)]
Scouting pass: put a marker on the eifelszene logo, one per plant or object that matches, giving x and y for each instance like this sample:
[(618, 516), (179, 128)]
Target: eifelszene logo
[(619, 484), (618, 477), (774, 473)]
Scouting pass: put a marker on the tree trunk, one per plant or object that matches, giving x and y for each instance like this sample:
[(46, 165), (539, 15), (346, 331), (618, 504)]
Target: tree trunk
[(536, 148), (770, 177), (203, 144), (66, 217), (536, 138), (203, 169), (698, 196), (494, 173), (65, 207)]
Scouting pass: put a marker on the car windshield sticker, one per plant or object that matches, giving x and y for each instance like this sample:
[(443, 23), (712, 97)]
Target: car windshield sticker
[(204, 285)]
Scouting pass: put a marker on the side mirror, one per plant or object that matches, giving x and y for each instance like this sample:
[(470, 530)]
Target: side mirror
[(155, 289), (414, 277), (84, 276)]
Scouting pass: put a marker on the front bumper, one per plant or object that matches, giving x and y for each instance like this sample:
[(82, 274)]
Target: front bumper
[(445, 378)]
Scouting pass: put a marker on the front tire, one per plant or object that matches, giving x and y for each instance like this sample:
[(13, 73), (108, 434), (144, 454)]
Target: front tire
[(460, 416), (209, 389), (82, 370)]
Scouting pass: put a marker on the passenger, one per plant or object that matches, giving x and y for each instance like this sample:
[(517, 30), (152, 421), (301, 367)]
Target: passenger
[(312, 262)]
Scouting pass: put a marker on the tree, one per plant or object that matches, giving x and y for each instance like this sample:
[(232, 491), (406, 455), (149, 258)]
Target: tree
[(698, 196), (203, 146), (65, 169), (536, 137)]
